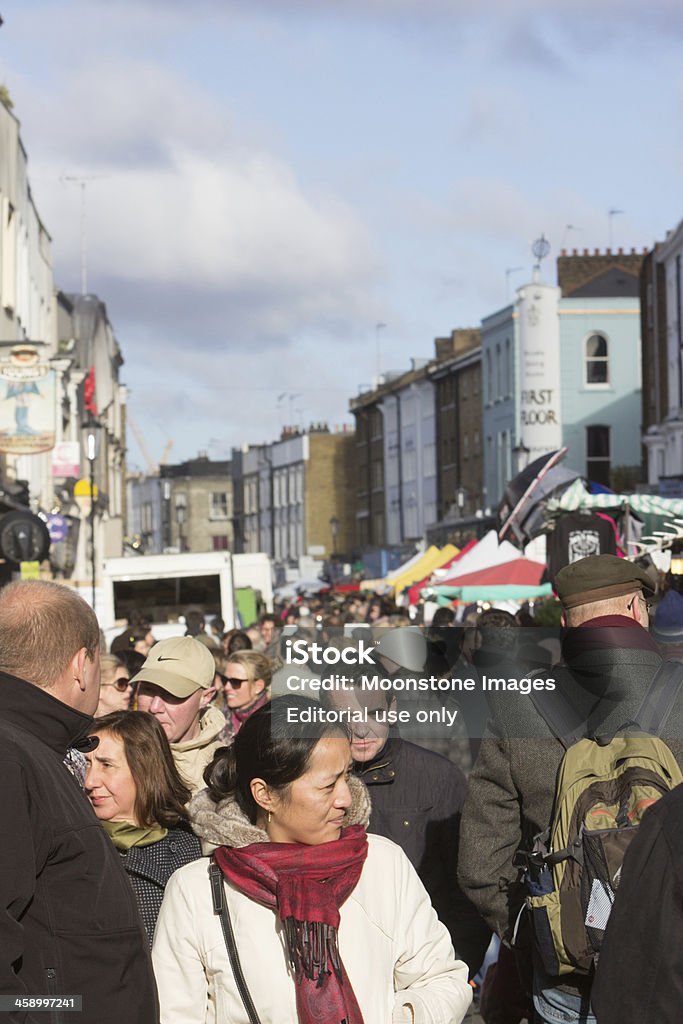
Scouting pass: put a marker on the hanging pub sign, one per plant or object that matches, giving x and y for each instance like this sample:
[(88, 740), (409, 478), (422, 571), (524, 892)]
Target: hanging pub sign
[(27, 401)]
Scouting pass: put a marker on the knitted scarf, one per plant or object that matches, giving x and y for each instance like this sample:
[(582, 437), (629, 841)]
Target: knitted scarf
[(306, 886)]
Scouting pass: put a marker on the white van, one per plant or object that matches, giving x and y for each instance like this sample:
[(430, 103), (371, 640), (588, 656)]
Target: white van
[(165, 586)]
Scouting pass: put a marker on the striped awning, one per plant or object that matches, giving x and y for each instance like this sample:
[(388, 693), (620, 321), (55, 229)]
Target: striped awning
[(577, 497)]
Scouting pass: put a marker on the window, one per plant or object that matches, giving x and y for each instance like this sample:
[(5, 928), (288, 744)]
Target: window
[(597, 369), (218, 506), (429, 461), (409, 464), (598, 454), (220, 543), (508, 368), (489, 378), (499, 374)]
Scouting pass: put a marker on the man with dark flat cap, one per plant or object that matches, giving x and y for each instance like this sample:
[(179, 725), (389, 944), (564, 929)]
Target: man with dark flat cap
[(608, 662)]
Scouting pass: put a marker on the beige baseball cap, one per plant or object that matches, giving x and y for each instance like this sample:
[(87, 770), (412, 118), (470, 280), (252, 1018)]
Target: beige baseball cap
[(180, 665)]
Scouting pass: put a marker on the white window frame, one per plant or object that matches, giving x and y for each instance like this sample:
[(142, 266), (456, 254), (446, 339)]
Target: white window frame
[(596, 385)]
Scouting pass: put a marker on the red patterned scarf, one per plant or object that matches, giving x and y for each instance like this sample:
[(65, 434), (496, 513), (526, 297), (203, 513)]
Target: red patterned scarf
[(306, 886)]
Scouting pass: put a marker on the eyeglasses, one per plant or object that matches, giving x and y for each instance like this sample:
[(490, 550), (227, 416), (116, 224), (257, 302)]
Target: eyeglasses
[(121, 684), (648, 604), (234, 683)]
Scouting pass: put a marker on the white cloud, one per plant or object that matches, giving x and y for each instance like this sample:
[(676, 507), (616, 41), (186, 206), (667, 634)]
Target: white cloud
[(176, 199)]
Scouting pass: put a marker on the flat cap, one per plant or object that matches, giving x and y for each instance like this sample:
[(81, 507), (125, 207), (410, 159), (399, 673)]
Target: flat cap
[(599, 578)]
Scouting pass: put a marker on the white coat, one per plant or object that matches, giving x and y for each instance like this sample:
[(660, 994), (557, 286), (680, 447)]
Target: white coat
[(397, 954)]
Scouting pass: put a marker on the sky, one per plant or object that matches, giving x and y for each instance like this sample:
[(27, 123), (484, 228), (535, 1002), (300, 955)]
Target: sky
[(267, 181)]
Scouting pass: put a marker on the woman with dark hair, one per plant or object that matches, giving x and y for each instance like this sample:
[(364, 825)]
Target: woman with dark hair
[(136, 638), (136, 792), (328, 924), (236, 640)]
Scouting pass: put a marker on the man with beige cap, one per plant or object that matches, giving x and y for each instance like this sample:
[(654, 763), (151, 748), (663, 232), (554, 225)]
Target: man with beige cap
[(608, 663), (176, 684)]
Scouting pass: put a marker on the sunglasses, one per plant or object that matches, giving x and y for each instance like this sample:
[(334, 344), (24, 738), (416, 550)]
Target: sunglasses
[(121, 684), (234, 683)]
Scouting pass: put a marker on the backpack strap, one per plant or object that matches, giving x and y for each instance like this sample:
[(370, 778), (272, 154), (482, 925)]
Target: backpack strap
[(560, 716), (566, 724), (660, 698)]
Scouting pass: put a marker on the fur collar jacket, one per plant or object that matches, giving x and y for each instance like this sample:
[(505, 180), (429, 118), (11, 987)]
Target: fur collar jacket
[(226, 824)]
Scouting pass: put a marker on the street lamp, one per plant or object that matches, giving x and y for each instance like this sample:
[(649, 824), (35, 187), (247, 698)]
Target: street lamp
[(334, 526), (180, 516), (521, 455)]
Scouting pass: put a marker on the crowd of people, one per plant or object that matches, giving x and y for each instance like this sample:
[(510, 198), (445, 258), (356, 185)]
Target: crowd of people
[(178, 848)]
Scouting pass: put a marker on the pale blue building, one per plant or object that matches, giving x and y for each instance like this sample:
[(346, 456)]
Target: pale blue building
[(562, 366)]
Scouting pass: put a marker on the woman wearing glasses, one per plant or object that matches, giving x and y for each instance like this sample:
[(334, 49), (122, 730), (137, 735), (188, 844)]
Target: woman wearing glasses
[(245, 689), (115, 688)]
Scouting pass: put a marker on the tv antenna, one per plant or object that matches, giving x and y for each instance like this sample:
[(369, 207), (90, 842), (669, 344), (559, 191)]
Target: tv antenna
[(82, 180), (611, 214)]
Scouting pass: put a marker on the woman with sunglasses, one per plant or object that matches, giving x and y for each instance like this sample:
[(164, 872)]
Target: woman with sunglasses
[(115, 687), (245, 689)]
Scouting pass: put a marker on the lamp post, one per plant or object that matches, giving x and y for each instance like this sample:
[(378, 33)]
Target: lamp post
[(334, 526)]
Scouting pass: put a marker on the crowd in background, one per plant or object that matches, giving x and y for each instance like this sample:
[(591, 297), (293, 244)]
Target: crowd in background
[(191, 756)]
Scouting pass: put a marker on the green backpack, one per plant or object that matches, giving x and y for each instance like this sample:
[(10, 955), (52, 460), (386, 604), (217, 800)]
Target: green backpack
[(605, 785)]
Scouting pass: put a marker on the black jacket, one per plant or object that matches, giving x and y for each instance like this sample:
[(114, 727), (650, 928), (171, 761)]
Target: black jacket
[(69, 923), (417, 798), (150, 867), (640, 971)]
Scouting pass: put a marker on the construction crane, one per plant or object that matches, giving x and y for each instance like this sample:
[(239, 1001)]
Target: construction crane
[(152, 467)]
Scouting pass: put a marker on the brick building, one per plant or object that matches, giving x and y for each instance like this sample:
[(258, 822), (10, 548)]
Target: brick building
[(293, 497), (418, 444), (197, 505), (457, 379), (662, 331)]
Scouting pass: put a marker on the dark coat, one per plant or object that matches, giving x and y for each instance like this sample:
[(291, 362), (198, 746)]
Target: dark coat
[(150, 867), (512, 785), (640, 971), (69, 923), (417, 798)]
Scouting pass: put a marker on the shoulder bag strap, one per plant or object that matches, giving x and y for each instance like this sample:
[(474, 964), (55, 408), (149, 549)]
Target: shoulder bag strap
[(220, 906)]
